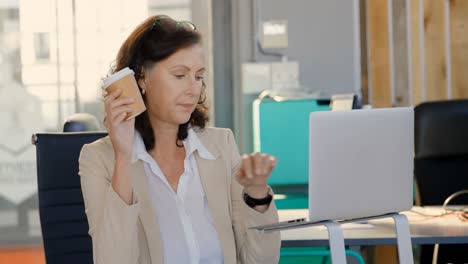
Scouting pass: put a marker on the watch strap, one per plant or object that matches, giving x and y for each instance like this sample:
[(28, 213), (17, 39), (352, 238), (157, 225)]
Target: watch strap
[(252, 202)]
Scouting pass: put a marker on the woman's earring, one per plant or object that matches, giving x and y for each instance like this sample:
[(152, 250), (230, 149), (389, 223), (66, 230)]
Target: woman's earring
[(143, 91)]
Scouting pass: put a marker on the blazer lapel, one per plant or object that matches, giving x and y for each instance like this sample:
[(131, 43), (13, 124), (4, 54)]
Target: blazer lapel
[(147, 213), (213, 175)]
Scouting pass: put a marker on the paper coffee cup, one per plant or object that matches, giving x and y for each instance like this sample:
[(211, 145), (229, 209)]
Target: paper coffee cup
[(125, 80)]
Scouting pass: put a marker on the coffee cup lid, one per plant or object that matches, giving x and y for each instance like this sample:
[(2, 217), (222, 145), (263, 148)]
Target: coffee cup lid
[(116, 76)]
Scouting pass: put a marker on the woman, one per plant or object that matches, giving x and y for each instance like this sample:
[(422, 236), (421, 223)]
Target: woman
[(162, 188)]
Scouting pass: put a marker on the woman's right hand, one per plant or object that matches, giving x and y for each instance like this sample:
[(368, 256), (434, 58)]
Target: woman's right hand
[(121, 131)]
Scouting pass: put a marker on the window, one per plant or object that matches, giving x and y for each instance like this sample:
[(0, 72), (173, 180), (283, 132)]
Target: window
[(45, 77)]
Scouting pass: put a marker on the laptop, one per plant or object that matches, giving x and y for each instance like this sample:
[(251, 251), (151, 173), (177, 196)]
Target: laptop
[(360, 164)]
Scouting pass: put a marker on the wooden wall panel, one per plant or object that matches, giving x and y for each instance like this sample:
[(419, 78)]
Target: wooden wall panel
[(400, 53), (379, 63), (428, 54), (459, 47), (434, 43), (416, 51)]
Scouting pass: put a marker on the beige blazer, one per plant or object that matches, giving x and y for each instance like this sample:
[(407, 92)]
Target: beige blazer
[(129, 234)]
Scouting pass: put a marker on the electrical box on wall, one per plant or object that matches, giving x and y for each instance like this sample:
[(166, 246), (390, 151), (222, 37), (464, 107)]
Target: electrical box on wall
[(276, 76), (256, 77), (285, 76), (274, 34)]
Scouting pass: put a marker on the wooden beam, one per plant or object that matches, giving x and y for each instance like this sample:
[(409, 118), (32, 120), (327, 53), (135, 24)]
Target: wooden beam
[(364, 59), (400, 53), (434, 42), (379, 53), (381, 95), (459, 47)]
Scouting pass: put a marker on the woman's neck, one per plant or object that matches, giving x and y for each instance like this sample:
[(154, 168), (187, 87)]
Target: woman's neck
[(165, 135)]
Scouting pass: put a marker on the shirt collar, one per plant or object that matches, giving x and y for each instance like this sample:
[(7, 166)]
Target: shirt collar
[(139, 149), (192, 143)]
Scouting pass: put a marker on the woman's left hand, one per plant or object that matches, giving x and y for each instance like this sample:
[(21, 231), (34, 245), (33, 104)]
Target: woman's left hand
[(253, 173)]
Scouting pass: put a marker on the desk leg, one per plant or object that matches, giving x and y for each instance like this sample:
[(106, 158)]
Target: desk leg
[(405, 251), (336, 238)]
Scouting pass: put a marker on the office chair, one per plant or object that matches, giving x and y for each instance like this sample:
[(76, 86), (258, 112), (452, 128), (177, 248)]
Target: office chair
[(441, 164), (64, 224), (81, 122)]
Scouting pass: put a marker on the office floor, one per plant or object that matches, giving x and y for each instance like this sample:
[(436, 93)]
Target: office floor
[(22, 256)]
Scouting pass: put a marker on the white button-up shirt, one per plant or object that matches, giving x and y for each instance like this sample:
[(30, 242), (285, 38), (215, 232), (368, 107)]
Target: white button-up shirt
[(186, 225)]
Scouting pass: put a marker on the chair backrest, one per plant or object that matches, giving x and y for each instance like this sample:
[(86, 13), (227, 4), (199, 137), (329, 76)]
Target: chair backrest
[(81, 122), (441, 150), (61, 210)]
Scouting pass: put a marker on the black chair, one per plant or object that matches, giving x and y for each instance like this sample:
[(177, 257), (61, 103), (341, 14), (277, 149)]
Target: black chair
[(81, 122), (63, 220), (441, 164)]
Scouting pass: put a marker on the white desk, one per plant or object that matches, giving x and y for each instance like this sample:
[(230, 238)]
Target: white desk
[(442, 230)]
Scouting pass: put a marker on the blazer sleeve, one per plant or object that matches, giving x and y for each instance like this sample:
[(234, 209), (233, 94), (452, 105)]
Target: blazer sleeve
[(112, 223), (252, 246)]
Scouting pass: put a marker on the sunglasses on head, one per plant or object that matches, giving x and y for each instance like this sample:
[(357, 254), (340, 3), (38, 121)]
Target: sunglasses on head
[(168, 23)]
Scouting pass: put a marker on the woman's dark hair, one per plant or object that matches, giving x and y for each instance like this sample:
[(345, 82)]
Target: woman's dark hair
[(154, 40)]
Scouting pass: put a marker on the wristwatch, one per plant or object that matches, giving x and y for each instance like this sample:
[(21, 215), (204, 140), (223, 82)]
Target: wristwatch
[(252, 202)]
